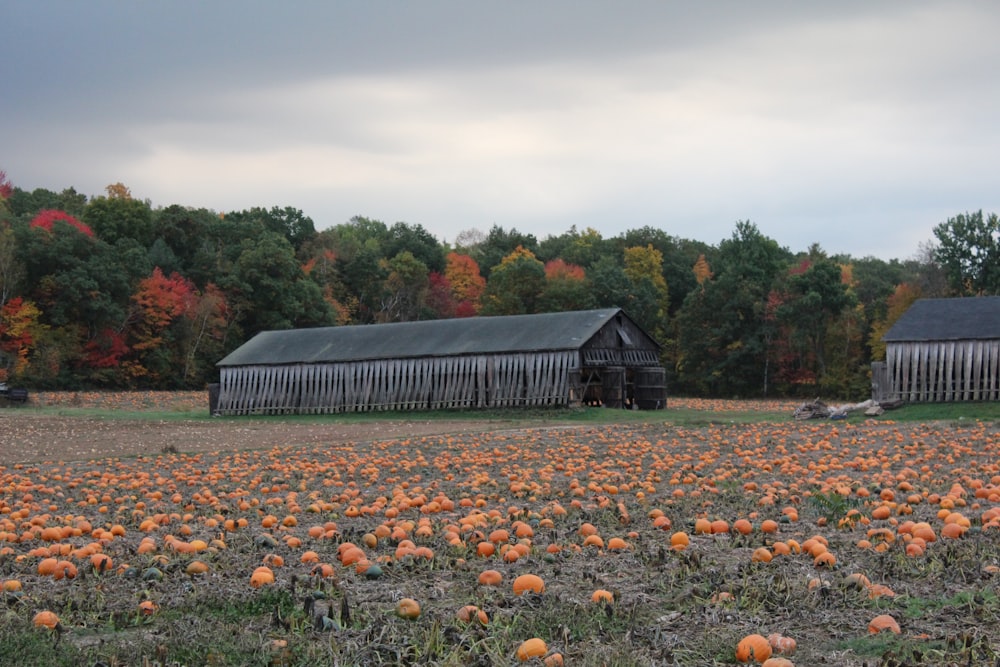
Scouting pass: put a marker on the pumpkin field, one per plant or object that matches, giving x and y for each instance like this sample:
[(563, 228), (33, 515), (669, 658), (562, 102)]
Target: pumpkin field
[(721, 542)]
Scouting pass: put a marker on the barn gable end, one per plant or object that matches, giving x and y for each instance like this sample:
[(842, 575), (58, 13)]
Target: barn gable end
[(943, 350), (481, 362)]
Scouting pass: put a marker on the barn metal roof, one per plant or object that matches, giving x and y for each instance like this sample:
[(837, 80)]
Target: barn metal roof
[(969, 318), (426, 338)]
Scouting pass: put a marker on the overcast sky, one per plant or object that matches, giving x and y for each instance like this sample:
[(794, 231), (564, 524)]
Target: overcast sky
[(855, 125)]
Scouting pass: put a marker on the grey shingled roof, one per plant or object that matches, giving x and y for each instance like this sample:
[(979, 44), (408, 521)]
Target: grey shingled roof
[(427, 338), (970, 318)]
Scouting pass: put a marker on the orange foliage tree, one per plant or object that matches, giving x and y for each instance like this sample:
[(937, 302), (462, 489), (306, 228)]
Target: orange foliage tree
[(465, 281), (898, 303), (19, 329)]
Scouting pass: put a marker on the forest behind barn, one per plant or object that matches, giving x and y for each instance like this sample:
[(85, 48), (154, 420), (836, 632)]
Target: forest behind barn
[(111, 292)]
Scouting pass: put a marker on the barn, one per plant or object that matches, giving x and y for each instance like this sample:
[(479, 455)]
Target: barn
[(551, 359), (942, 350)]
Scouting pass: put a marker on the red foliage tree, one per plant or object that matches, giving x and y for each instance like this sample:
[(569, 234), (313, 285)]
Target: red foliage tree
[(6, 189), (160, 300), (439, 295), (559, 269), (47, 218), (105, 350)]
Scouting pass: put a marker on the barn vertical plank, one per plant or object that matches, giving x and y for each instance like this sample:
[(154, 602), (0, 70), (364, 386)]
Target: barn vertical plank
[(418, 375), (949, 370), (239, 396), (924, 378), (968, 351), (977, 370), (248, 375), (228, 404), (433, 378), (320, 399), (404, 384), (350, 383), (445, 382), (511, 384), (905, 349), (225, 380), (277, 390), (500, 388), (488, 384), (285, 388), (306, 395), (990, 369), (994, 370), (892, 363), (337, 395), (425, 367), (934, 372), (460, 368), (469, 383), (519, 386)]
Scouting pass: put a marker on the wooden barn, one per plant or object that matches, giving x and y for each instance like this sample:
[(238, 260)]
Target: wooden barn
[(551, 359), (942, 350)]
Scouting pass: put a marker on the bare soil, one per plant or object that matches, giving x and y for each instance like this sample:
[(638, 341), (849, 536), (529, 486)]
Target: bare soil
[(28, 437)]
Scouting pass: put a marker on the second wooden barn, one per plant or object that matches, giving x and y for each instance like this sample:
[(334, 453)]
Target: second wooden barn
[(942, 350), (551, 359)]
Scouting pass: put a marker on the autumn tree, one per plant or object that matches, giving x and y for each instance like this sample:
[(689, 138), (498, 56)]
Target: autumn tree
[(702, 271), (643, 266), (465, 282), (575, 247), (6, 189), (566, 288), (439, 299), (81, 285), (898, 303), (514, 285), (499, 244), (158, 302), (20, 328)]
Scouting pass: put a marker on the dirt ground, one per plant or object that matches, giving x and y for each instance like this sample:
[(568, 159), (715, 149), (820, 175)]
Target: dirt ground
[(27, 437)]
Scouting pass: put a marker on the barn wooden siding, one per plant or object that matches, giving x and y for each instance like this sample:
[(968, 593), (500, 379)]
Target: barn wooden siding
[(475, 381), (942, 371)]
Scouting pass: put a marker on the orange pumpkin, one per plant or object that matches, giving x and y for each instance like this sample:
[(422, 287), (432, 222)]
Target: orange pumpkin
[(470, 613), (883, 623), (777, 662), (531, 648), (408, 608), (45, 619), (490, 578), (601, 595), (196, 567), (262, 576), (753, 647), (528, 582)]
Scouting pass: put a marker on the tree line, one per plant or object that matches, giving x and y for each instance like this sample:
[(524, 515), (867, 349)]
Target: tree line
[(110, 292)]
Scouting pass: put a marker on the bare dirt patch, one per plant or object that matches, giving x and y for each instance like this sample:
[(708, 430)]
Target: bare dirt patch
[(29, 437)]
